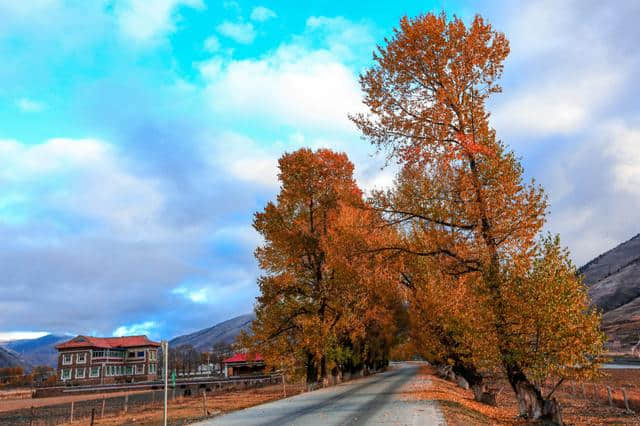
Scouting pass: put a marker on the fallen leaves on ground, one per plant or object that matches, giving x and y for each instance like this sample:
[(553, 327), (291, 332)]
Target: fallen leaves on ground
[(459, 408)]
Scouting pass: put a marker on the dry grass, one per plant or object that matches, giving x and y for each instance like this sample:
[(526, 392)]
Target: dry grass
[(459, 408), (20, 393), (190, 409)]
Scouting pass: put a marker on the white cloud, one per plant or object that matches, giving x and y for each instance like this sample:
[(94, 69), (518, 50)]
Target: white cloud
[(293, 86), (562, 105), (306, 83), (84, 178), (148, 328), (562, 70), (20, 335), (623, 146), (29, 105), (261, 14), (212, 44), (240, 32), (144, 21)]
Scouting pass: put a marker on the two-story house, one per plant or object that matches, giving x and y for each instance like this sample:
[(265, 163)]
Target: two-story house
[(96, 360)]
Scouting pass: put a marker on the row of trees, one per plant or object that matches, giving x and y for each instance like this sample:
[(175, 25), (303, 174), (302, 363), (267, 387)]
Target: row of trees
[(453, 250), (325, 305), (187, 359), (11, 377)]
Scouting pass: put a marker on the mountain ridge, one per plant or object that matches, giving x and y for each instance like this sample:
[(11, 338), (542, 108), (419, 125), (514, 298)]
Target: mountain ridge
[(223, 332), (613, 281)]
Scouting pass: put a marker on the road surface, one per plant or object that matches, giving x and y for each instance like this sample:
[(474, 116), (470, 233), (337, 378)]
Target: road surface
[(372, 400)]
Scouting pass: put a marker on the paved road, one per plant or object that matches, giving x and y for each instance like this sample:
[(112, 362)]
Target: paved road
[(371, 400)]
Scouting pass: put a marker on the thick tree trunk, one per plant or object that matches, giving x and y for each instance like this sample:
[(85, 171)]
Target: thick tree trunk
[(475, 381), (531, 403), (323, 371), (312, 371)]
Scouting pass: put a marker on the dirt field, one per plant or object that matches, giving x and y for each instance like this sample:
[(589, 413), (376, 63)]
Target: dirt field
[(28, 402), (190, 409), (459, 407), (21, 393)]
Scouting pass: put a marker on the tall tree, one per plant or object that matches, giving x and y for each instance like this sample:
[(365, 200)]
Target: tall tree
[(317, 304), (426, 94)]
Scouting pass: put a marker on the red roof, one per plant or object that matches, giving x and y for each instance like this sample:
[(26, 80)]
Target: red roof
[(244, 358), (107, 342)]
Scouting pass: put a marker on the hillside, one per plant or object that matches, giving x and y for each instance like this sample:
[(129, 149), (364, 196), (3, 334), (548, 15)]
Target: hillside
[(9, 358), (613, 279), (224, 332), (40, 351)]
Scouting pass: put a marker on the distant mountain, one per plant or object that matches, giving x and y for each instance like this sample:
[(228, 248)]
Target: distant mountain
[(8, 358), (40, 351), (224, 332), (613, 279)]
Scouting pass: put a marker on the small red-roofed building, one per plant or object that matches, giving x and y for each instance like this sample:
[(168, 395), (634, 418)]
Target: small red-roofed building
[(243, 364), (86, 360)]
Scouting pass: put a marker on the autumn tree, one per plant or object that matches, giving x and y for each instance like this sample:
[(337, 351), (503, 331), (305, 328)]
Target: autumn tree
[(426, 94), (447, 327), (317, 303)]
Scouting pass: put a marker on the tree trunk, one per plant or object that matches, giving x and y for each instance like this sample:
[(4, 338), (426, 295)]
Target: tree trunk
[(323, 371), (312, 371), (475, 380), (531, 403)]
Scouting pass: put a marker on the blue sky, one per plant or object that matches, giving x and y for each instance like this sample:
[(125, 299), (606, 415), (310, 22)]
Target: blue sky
[(138, 138)]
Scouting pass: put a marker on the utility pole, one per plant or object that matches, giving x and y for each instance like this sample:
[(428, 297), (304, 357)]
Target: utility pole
[(165, 354)]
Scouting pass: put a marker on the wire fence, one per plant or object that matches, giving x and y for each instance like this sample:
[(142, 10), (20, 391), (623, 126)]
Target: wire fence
[(624, 397), (86, 409)]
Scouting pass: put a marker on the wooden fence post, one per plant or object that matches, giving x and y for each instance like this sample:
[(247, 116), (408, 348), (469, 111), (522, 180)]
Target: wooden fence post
[(71, 415), (626, 401), (204, 401), (102, 411), (126, 403), (93, 415), (33, 415), (609, 396), (284, 386)]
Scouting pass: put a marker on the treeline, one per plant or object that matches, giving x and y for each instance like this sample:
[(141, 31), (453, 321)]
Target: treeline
[(186, 359), (12, 377), (450, 262)]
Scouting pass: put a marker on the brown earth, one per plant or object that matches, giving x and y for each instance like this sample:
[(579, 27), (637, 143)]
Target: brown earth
[(20, 393), (459, 408), (191, 409), (18, 403)]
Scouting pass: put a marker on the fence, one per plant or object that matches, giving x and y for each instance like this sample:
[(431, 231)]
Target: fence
[(619, 397), (108, 406), (62, 413)]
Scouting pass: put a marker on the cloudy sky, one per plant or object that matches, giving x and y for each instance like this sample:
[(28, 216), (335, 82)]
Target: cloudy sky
[(138, 137)]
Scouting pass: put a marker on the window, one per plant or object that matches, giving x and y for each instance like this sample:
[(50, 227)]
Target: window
[(98, 354), (95, 372), (67, 359), (152, 355), (131, 355), (81, 358), (79, 373), (152, 369), (129, 370), (139, 368), (141, 354), (65, 374)]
